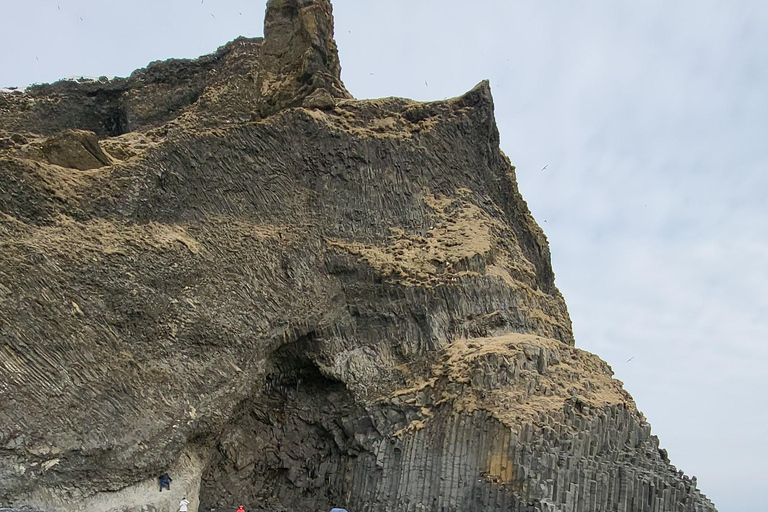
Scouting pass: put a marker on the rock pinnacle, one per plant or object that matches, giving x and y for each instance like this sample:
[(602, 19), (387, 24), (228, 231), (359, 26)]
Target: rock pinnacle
[(299, 58)]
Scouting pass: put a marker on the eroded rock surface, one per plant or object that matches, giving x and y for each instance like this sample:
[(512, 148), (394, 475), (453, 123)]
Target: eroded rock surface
[(230, 270)]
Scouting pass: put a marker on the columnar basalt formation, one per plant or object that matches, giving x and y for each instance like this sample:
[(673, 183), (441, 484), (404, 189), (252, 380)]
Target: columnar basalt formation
[(229, 270)]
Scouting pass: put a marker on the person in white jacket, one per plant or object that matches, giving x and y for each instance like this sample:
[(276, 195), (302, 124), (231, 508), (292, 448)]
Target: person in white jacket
[(183, 504)]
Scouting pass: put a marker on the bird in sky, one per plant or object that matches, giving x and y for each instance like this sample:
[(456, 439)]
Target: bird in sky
[(425, 83), (631, 358), (544, 168), (214, 17)]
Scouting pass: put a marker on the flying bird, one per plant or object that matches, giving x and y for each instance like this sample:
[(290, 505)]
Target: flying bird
[(631, 358), (214, 17), (425, 83), (544, 168)]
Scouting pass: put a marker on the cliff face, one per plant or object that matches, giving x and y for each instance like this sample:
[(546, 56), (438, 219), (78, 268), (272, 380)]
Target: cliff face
[(230, 270)]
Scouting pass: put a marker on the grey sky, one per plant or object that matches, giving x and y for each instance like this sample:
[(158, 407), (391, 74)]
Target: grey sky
[(652, 118)]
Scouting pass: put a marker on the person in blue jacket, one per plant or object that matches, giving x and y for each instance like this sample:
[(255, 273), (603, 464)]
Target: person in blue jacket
[(165, 481)]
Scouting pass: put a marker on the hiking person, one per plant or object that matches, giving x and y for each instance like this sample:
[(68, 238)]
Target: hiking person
[(183, 504), (165, 481), (241, 509)]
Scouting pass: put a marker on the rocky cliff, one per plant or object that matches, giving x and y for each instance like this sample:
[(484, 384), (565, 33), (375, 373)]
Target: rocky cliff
[(230, 270)]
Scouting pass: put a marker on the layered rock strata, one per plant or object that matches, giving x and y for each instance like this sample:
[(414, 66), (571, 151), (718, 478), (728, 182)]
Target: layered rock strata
[(230, 270)]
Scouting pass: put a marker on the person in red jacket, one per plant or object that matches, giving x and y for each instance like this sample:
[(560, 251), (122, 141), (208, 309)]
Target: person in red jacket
[(241, 509)]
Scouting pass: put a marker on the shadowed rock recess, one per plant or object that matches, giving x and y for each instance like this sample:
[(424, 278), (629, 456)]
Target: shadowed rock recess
[(230, 270)]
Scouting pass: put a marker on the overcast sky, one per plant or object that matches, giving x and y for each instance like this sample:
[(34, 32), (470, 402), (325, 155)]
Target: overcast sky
[(651, 118)]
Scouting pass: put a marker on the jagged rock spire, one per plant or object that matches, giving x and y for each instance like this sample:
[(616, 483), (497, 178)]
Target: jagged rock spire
[(299, 58)]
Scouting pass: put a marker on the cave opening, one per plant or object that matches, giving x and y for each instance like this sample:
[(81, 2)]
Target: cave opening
[(292, 444)]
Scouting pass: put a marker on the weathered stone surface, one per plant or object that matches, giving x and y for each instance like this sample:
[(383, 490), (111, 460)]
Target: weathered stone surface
[(76, 149), (148, 98), (291, 299), (299, 55)]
